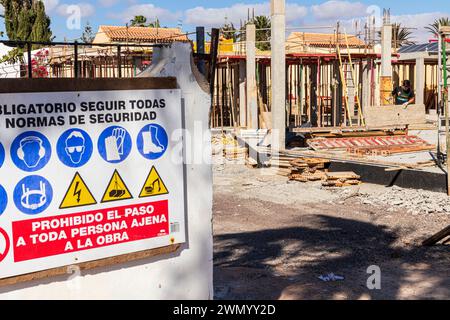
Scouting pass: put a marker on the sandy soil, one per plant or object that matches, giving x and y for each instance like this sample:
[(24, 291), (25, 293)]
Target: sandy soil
[(274, 238)]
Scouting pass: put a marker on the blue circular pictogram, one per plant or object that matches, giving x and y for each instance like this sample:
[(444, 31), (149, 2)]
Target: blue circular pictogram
[(2, 155), (74, 148), (114, 144), (33, 194), (3, 200), (31, 151), (152, 141)]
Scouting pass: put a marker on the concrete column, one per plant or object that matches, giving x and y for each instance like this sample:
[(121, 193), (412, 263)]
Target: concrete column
[(365, 99), (242, 95), (420, 81), (386, 62), (278, 75), (252, 98)]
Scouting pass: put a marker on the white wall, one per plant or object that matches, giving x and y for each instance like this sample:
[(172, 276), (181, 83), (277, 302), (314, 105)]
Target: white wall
[(183, 275)]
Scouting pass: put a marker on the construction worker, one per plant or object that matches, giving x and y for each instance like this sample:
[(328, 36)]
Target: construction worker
[(404, 95)]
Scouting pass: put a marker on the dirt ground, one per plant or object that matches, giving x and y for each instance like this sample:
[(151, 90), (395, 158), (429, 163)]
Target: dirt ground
[(274, 238)]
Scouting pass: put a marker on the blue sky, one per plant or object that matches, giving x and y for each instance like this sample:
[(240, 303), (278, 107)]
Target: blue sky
[(189, 13)]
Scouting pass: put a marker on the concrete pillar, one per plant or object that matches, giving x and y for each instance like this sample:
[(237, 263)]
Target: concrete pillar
[(252, 98), (242, 95), (386, 62), (420, 81), (278, 75), (365, 99)]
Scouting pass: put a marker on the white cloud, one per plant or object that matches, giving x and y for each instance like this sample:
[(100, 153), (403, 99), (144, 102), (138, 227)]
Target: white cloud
[(108, 3), (418, 22), (336, 10), (2, 10), (149, 11), (50, 4), (216, 16), (86, 9)]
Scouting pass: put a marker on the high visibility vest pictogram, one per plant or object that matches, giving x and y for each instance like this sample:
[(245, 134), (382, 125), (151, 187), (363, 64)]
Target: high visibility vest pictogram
[(78, 194), (116, 190), (154, 185)]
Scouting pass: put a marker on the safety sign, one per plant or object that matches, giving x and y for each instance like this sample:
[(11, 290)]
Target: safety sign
[(33, 194), (3, 200), (4, 244), (114, 144), (2, 155), (74, 148), (78, 194), (31, 151), (86, 176), (154, 185), (116, 190), (152, 141)]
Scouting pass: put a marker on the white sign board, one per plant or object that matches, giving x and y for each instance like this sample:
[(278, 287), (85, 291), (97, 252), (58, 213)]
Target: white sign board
[(88, 175)]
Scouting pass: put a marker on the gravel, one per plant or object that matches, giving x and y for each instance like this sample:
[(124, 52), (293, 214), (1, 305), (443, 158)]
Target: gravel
[(415, 202)]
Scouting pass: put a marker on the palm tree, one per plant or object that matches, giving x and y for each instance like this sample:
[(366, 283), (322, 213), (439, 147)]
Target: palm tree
[(401, 36), (434, 27), (229, 31), (138, 21)]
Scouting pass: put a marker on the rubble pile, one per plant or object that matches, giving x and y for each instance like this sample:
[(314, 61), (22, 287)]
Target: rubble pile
[(416, 202)]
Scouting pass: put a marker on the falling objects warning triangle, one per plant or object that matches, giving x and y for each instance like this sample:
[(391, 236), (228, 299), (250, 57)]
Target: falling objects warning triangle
[(154, 185), (117, 189), (78, 194)]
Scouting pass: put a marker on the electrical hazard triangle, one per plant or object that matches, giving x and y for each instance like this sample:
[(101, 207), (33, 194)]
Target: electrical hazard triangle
[(78, 194), (154, 185), (117, 189)]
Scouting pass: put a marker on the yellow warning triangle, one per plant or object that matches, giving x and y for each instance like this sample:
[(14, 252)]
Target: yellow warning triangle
[(154, 185), (117, 189), (78, 194)]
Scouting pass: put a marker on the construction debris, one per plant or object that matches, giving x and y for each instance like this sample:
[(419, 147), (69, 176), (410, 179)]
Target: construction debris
[(416, 202), (341, 179), (316, 169), (308, 169), (235, 153), (372, 146)]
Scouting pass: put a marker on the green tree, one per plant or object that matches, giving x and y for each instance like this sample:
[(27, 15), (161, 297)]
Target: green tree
[(25, 20), (88, 34), (434, 27), (263, 25), (141, 21), (229, 31), (138, 21), (41, 31), (154, 24)]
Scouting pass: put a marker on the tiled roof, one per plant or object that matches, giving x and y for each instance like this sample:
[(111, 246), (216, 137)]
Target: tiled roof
[(322, 40), (143, 34)]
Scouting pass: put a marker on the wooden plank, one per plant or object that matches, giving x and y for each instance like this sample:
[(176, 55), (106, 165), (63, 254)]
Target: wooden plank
[(342, 175), (441, 235), (68, 270)]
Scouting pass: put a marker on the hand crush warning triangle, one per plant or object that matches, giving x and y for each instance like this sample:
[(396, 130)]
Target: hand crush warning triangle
[(117, 189), (154, 185), (78, 194)]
